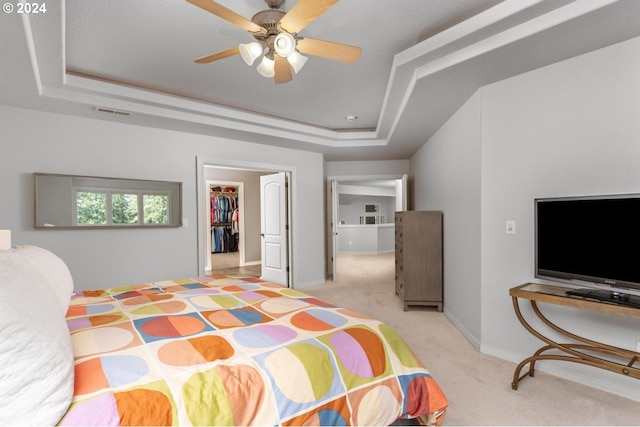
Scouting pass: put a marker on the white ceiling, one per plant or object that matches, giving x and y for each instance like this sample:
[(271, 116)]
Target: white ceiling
[(421, 59)]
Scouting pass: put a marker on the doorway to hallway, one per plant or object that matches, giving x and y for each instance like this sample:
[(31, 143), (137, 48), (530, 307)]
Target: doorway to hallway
[(360, 215)]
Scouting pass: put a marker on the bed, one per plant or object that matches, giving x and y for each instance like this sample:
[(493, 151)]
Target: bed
[(213, 350)]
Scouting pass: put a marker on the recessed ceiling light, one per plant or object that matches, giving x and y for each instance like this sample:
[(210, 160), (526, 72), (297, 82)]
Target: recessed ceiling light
[(351, 118)]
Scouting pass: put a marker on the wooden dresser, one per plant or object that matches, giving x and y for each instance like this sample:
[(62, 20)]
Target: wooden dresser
[(418, 245)]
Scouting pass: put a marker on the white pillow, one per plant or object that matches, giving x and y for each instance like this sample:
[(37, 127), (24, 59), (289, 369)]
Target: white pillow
[(54, 270), (36, 355)]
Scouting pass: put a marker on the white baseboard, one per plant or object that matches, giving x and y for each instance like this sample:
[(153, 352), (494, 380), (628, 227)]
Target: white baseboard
[(251, 263), (464, 331)]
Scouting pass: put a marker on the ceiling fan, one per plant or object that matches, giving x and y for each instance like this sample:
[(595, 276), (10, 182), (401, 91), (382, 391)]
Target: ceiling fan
[(277, 37)]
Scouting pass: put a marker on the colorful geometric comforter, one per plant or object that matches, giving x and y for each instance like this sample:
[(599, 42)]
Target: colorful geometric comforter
[(225, 350)]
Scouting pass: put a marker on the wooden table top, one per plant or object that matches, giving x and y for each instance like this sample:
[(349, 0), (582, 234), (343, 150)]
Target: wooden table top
[(556, 295)]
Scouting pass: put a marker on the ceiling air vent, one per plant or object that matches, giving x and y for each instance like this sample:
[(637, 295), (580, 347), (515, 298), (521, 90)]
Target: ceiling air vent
[(110, 111)]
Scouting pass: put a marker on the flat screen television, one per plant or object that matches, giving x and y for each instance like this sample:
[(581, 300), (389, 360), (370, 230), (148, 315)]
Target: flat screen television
[(591, 241)]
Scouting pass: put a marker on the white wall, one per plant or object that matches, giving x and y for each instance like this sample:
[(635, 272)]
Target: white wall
[(35, 141), (369, 239), (446, 176), (571, 128), (365, 168), (351, 208)]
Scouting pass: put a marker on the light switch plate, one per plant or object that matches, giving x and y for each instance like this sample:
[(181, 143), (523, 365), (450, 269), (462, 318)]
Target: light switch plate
[(511, 227)]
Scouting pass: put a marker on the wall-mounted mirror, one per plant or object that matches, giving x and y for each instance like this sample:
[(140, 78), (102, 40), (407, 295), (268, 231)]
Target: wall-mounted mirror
[(68, 201)]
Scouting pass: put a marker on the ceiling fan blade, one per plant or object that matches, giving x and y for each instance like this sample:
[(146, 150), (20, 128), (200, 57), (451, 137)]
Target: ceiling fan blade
[(283, 70), (228, 15), (329, 50), (303, 13), (219, 55)]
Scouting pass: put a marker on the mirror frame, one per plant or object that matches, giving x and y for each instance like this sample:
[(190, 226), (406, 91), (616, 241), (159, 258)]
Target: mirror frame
[(64, 211)]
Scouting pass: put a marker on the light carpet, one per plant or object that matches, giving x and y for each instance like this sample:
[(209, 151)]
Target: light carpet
[(477, 386)]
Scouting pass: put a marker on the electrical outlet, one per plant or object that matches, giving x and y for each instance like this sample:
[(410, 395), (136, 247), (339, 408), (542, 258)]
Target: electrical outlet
[(511, 227)]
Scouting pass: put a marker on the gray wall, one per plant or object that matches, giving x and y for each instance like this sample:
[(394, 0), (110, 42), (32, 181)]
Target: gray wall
[(103, 258), (571, 128), (446, 176)]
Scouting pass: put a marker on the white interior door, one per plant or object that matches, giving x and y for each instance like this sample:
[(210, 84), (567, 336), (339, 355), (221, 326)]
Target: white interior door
[(273, 228), (402, 194), (334, 227)]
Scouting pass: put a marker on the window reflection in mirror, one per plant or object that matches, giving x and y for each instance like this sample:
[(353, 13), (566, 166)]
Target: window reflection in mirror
[(66, 201)]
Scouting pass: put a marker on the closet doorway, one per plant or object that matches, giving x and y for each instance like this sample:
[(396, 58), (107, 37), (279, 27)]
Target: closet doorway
[(226, 242), (216, 252), (233, 220)]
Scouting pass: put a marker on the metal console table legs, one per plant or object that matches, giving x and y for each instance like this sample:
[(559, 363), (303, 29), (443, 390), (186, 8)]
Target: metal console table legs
[(584, 351)]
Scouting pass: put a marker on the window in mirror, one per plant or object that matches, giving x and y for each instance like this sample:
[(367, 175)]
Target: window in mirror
[(76, 201), (91, 208), (124, 208), (155, 208), (112, 207)]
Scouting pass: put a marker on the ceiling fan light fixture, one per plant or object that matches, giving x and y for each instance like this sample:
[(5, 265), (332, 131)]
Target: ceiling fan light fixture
[(250, 51), (276, 32), (297, 61), (284, 44), (267, 67)]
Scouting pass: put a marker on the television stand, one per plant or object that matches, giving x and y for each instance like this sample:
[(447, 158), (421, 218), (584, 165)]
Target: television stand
[(581, 349)]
